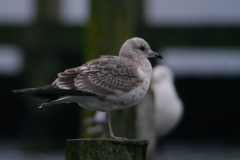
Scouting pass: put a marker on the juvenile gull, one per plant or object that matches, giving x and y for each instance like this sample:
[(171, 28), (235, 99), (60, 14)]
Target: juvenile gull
[(104, 84)]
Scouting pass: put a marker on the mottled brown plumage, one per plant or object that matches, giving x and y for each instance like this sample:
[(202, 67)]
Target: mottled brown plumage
[(104, 84), (101, 76)]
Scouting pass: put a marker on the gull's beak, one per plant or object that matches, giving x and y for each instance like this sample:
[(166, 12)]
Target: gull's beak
[(153, 79), (154, 54)]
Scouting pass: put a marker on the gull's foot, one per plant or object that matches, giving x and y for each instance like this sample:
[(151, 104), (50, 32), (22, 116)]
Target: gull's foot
[(113, 137)]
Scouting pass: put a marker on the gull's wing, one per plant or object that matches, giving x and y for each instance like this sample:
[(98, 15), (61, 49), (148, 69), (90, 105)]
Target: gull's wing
[(101, 77)]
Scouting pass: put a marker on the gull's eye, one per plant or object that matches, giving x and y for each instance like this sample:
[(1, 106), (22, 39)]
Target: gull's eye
[(142, 48)]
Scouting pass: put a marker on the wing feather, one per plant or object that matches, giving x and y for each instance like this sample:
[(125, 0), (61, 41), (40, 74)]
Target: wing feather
[(101, 76)]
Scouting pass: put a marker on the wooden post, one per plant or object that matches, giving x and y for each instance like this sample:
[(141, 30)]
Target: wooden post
[(110, 24), (103, 149)]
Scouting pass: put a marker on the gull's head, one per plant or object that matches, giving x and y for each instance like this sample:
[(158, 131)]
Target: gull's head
[(137, 47), (161, 74)]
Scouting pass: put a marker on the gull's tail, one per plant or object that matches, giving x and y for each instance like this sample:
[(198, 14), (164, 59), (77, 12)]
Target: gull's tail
[(50, 92)]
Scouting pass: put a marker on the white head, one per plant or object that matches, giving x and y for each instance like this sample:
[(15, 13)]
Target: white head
[(137, 47), (161, 73)]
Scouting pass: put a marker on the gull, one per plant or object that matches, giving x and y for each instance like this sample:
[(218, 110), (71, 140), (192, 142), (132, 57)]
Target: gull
[(168, 106), (104, 84), (159, 112), (98, 118), (99, 123)]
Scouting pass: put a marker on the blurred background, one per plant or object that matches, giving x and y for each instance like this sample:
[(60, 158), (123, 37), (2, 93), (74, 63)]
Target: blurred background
[(200, 43)]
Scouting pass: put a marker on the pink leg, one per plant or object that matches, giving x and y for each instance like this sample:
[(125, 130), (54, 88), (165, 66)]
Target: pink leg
[(110, 127)]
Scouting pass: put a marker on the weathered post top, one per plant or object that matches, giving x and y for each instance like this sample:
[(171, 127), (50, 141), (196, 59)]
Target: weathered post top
[(106, 149)]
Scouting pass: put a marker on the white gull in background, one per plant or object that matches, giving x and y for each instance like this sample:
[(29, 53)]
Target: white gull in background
[(159, 111), (104, 84), (167, 104), (98, 122)]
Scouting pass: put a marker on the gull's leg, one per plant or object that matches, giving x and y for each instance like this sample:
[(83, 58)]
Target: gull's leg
[(110, 127)]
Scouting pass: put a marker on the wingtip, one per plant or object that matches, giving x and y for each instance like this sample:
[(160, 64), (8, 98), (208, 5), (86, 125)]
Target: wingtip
[(42, 105), (16, 91)]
